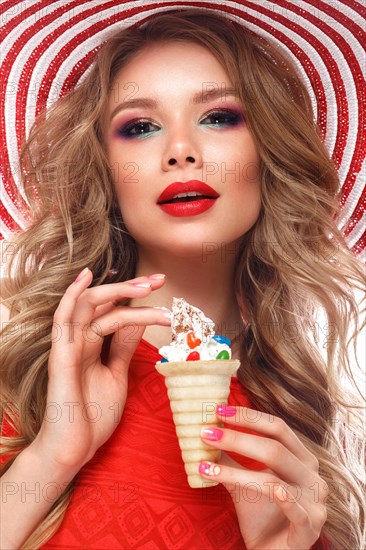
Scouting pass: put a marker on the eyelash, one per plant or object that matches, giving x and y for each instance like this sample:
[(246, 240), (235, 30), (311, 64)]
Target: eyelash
[(223, 118), (232, 118)]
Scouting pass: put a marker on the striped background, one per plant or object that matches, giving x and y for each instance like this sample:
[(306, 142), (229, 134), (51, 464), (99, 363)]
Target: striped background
[(47, 45)]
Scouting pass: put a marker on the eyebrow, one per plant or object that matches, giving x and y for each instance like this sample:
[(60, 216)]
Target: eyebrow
[(198, 98)]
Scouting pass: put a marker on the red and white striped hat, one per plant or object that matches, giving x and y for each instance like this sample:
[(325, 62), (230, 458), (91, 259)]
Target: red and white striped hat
[(47, 45)]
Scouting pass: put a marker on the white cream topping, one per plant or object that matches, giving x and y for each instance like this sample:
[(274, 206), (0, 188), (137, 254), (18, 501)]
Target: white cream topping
[(189, 327)]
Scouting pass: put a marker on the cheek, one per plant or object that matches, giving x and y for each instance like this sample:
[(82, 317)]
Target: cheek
[(123, 167), (129, 198), (231, 161), (132, 163), (125, 172)]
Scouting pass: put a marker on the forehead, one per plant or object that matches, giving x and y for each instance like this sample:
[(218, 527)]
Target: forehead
[(171, 65)]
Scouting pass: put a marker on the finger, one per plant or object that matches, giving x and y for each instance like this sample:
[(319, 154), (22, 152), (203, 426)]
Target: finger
[(259, 483), (132, 317), (68, 301), (123, 346), (114, 293), (269, 451), (271, 426), (156, 280), (85, 308), (301, 532), (104, 294), (73, 318)]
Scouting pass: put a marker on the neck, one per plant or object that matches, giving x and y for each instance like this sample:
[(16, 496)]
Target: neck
[(207, 283)]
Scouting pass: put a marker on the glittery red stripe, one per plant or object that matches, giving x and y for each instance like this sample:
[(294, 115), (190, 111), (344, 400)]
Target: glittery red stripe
[(359, 209), (79, 69), (360, 244), (300, 54), (356, 6), (334, 74), (38, 52), (5, 69), (25, 12), (65, 51), (357, 212), (360, 145), (8, 219), (341, 17), (340, 93)]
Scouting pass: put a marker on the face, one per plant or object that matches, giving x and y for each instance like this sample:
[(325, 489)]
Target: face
[(184, 162)]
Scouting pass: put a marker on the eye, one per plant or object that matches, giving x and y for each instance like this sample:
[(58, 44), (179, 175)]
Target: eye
[(222, 118), (137, 128)]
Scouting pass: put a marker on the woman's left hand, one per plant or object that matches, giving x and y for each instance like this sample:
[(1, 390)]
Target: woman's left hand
[(268, 519)]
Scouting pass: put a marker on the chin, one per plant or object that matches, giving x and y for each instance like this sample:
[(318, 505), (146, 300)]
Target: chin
[(208, 249), (187, 250)]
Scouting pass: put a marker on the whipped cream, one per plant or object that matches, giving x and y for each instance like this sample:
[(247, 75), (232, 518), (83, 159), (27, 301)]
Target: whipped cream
[(193, 336)]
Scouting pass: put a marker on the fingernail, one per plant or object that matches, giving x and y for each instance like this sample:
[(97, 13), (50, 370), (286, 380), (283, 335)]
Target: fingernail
[(142, 285), (225, 410), (81, 275), (212, 434), (166, 312), (209, 469), (157, 276)]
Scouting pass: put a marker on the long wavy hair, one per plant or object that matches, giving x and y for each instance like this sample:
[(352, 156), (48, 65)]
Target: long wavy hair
[(293, 263)]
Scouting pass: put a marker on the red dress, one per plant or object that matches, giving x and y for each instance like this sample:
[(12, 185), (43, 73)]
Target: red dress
[(134, 493)]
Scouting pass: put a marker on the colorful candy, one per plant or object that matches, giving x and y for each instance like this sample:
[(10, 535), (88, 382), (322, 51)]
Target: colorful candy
[(194, 337), (193, 356), (192, 340), (223, 355), (221, 339)]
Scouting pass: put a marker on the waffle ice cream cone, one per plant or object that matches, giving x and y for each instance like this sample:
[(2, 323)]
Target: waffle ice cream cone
[(195, 388)]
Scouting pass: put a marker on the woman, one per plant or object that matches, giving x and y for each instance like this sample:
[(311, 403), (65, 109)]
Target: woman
[(189, 104)]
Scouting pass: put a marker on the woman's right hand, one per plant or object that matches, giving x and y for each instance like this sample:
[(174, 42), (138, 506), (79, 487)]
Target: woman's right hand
[(86, 397)]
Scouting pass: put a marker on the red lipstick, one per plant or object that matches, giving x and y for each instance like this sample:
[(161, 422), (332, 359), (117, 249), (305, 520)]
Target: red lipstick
[(188, 198)]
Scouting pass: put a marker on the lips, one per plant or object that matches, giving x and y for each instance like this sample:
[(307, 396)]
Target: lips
[(188, 198)]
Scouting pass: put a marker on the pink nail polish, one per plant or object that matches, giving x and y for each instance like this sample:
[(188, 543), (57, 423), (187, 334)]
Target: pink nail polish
[(142, 285), (212, 434), (225, 410), (209, 469)]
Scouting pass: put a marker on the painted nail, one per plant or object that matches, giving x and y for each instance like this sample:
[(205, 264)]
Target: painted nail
[(225, 410), (209, 469), (142, 285), (212, 434), (157, 276), (81, 275)]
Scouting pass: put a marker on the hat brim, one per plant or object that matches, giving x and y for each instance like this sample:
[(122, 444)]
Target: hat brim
[(47, 47)]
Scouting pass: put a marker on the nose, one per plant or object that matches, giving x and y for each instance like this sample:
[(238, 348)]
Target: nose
[(181, 152)]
